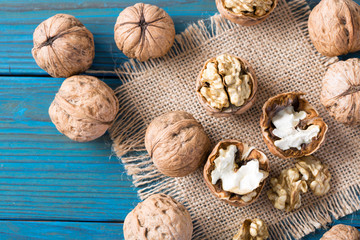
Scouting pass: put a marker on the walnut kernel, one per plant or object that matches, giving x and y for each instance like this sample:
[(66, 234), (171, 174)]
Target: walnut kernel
[(252, 229)]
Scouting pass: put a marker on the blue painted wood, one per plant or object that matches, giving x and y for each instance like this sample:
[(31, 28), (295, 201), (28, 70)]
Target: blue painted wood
[(44, 175)]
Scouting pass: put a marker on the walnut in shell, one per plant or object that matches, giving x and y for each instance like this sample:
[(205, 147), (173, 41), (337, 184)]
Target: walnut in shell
[(235, 172), (144, 31), (341, 232), (158, 217), (63, 46), (340, 92), (226, 85), (246, 12), (176, 143), (291, 127), (334, 27), (286, 189), (252, 229), (83, 108)]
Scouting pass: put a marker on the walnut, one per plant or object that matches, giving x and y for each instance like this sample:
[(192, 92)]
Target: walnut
[(285, 192), (176, 143), (158, 217), (144, 31), (252, 229), (63, 46), (235, 172), (341, 232), (334, 27), (83, 108), (291, 127), (226, 85), (246, 12), (315, 174), (340, 92)]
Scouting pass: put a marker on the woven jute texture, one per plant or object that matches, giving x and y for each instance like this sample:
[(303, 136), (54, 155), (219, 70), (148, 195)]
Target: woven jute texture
[(284, 60)]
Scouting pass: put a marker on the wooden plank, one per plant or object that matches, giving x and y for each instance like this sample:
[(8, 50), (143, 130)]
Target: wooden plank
[(10, 230), (25, 230), (44, 175), (20, 18)]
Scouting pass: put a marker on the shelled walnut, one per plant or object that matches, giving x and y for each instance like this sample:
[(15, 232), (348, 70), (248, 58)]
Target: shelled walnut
[(315, 174), (84, 108), (226, 85), (341, 232), (176, 143), (235, 172), (144, 31), (158, 217), (340, 93), (63, 46), (285, 192), (252, 229), (291, 127), (246, 12)]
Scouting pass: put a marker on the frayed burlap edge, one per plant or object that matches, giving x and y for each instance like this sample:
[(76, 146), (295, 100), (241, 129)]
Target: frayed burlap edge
[(129, 129)]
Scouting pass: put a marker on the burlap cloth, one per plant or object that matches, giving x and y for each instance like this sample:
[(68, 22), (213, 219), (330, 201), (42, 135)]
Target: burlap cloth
[(284, 60)]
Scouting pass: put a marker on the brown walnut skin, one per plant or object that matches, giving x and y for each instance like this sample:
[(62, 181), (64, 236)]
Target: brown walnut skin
[(242, 19), (341, 232), (158, 217), (84, 108), (232, 110), (176, 143), (144, 31), (334, 27), (63, 46), (340, 92), (229, 197), (278, 103)]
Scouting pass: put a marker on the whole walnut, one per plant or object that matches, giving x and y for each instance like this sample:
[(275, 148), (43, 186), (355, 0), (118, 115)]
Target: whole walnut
[(158, 217), (334, 27), (340, 92), (83, 108), (177, 143), (63, 46), (341, 232), (144, 31)]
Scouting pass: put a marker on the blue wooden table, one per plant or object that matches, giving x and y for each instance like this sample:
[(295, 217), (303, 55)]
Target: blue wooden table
[(51, 187)]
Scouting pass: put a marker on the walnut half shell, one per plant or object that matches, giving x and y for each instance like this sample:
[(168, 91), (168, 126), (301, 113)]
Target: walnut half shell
[(341, 232), (230, 85), (246, 17), (279, 102), (243, 156)]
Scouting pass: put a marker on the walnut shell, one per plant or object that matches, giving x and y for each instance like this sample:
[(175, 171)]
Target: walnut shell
[(278, 103), (176, 143), (340, 92), (63, 46), (341, 232), (144, 31), (158, 217), (334, 27), (246, 19), (83, 108), (232, 110), (229, 197)]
